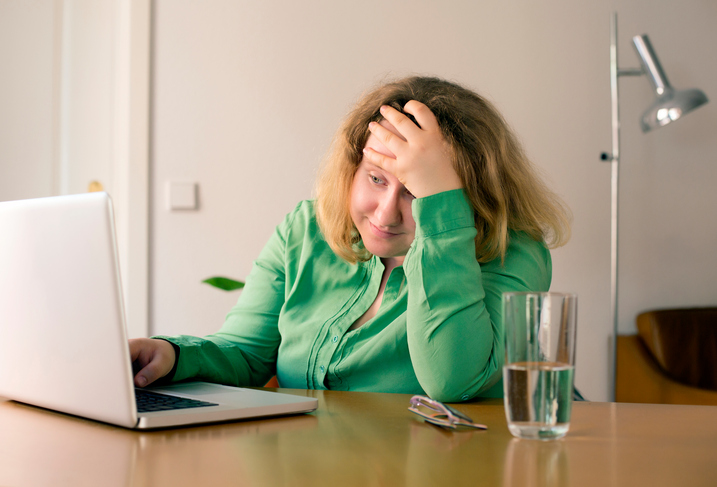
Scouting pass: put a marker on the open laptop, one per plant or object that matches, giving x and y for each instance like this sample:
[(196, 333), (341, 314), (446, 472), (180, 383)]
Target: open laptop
[(63, 340)]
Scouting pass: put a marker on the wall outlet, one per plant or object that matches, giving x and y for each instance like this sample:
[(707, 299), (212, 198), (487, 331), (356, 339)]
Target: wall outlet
[(181, 196)]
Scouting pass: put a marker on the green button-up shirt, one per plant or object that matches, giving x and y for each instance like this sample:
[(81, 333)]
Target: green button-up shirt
[(439, 330)]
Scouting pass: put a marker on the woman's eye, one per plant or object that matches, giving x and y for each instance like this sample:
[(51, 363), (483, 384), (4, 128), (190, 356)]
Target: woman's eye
[(376, 180)]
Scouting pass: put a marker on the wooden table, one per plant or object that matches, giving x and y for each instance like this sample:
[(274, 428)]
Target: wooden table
[(365, 439)]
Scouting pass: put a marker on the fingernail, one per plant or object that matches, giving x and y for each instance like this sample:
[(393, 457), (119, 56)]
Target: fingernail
[(371, 125), (142, 381), (382, 109)]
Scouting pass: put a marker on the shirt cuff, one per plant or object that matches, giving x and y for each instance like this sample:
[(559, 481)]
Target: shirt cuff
[(442, 212)]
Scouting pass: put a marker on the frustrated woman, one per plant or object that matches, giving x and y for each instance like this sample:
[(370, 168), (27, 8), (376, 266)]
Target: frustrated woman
[(427, 211)]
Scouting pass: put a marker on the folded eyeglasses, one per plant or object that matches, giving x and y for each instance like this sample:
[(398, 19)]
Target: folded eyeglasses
[(442, 415)]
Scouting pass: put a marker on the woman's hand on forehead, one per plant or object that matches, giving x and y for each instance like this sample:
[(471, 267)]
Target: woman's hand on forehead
[(422, 161)]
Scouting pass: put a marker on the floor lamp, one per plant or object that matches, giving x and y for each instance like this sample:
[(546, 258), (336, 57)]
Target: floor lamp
[(669, 106)]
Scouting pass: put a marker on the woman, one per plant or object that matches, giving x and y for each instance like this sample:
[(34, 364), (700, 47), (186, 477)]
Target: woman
[(427, 210)]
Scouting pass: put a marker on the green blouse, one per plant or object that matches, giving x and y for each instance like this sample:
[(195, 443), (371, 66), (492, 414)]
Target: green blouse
[(439, 330)]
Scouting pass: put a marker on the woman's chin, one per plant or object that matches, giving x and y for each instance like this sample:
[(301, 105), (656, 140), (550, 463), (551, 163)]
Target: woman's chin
[(383, 251)]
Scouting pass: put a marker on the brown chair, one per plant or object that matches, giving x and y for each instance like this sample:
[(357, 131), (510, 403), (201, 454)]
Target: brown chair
[(672, 359), (273, 382)]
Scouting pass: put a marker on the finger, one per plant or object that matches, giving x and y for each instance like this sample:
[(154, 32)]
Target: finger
[(377, 159), (375, 144), (391, 140), (403, 124), (148, 374), (388, 125), (423, 115), (157, 366)]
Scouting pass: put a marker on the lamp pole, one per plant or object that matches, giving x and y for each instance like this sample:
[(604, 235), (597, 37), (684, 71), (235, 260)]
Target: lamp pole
[(614, 159)]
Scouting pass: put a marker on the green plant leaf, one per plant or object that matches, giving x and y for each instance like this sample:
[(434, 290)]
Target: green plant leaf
[(224, 283)]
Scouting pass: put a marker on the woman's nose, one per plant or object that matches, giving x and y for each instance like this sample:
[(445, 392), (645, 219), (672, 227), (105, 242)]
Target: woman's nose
[(388, 211)]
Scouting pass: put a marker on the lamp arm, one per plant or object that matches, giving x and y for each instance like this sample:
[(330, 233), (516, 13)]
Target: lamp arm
[(651, 64)]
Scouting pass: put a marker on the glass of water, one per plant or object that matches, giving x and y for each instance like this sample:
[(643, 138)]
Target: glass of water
[(539, 363)]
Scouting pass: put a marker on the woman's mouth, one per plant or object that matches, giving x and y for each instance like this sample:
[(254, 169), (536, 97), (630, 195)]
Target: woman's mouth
[(381, 233)]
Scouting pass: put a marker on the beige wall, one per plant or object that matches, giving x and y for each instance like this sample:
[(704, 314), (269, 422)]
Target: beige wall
[(27, 101)]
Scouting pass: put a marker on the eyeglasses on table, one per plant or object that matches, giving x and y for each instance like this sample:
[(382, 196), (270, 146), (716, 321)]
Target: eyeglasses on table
[(435, 412)]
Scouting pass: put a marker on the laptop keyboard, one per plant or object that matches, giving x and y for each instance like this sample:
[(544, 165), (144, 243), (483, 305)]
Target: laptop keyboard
[(148, 402)]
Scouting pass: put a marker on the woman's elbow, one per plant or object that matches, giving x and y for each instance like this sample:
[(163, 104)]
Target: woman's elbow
[(450, 390)]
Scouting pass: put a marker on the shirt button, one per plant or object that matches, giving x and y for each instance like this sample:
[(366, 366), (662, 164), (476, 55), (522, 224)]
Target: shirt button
[(465, 397), (335, 339), (322, 369)]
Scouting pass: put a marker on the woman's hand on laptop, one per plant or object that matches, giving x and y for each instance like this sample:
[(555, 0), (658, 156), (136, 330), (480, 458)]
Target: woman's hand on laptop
[(152, 358)]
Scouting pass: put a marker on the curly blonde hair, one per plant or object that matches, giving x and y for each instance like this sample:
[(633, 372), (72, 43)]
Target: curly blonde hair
[(501, 184)]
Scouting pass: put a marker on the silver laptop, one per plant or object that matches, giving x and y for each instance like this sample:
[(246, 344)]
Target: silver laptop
[(63, 340)]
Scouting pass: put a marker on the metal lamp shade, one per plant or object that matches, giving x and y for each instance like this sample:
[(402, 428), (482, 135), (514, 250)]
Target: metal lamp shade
[(671, 106), (670, 103)]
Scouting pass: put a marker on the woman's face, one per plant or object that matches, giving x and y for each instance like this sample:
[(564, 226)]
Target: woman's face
[(380, 207)]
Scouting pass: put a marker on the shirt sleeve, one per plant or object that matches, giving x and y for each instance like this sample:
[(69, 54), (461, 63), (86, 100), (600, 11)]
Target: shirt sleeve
[(243, 352), (454, 316)]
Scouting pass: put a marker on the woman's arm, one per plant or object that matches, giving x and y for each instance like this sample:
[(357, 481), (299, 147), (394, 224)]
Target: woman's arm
[(454, 317)]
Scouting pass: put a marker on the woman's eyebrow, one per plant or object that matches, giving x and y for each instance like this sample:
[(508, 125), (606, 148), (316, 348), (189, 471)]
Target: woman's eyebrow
[(374, 166)]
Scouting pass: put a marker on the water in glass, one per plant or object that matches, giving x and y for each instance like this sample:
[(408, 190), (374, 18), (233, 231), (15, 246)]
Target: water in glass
[(538, 399)]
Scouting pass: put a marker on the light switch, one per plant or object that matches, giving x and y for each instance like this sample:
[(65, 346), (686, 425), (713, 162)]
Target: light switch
[(181, 196)]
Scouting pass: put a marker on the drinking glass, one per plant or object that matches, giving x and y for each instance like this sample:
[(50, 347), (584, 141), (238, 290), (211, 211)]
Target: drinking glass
[(539, 363)]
